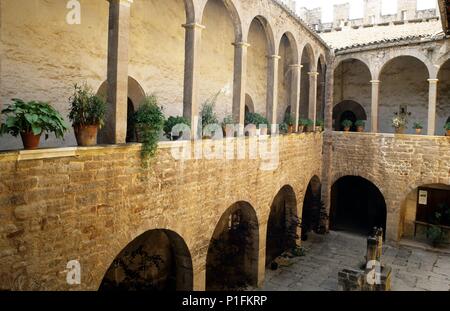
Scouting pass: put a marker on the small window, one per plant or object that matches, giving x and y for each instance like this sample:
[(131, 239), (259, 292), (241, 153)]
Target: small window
[(404, 15)]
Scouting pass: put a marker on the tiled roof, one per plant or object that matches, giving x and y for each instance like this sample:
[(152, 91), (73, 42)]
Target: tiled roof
[(349, 38)]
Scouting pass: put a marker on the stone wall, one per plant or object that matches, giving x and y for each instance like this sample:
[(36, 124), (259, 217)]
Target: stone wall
[(87, 204), (396, 164)]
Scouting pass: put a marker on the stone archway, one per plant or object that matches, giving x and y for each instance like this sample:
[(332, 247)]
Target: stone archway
[(249, 105), (232, 260), (157, 260), (312, 205), (283, 224), (347, 109), (357, 206)]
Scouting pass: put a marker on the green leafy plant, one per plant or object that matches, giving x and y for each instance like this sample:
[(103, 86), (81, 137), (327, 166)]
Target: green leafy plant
[(228, 120), (171, 122), (149, 121), (289, 119), (86, 108), (399, 121), (255, 119), (32, 117), (283, 128), (360, 123), (207, 111), (447, 126), (303, 122), (417, 125), (347, 123), (320, 123)]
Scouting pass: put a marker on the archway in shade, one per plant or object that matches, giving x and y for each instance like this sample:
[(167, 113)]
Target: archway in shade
[(158, 260), (131, 128), (232, 260), (350, 110), (311, 208), (443, 99), (249, 106), (307, 62), (357, 206), (320, 108), (283, 224)]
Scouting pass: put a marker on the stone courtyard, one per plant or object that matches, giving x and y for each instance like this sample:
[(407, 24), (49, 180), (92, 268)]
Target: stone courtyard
[(414, 269)]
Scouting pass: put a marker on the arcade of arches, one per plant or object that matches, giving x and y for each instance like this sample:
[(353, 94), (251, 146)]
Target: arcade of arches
[(211, 224)]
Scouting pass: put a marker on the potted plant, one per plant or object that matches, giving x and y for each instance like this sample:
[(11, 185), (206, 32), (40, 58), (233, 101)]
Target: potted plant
[(30, 120), (170, 123), (347, 124), (302, 124), (399, 123), (319, 125), (289, 120), (258, 120), (228, 126), (447, 128), (309, 125), (360, 125), (418, 127), (87, 114), (149, 122), (208, 115)]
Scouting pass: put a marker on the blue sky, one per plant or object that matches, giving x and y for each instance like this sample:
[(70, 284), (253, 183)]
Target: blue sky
[(356, 6)]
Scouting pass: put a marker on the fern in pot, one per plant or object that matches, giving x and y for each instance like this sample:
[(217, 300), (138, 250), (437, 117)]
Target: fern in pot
[(87, 114), (149, 120), (30, 120)]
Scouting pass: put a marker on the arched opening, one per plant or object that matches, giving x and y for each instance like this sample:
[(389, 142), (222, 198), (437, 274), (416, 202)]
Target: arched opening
[(283, 224), (423, 207), (135, 97), (158, 260), (352, 92), (443, 103), (232, 260), (260, 39), (308, 66), (312, 208), (249, 105), (357, 206), (320, 108), (287, 53), (216, 68), (347, 110), (404, 91), (157, 50)]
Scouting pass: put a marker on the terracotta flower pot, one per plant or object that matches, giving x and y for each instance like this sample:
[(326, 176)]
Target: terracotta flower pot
[(310, 128), (301, 128), (360, 129), (400, 130), (290, 129), (448, 133), (418, 131), (86, 135), (30, 141), (346, 129)]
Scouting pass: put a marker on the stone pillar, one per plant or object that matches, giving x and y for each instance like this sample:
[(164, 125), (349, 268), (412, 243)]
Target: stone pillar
[(295, 92), (327, 159), (191, 72), (118, 34), (432, 106), (312, 110), (240, 71), (375, 105), (272, 87)]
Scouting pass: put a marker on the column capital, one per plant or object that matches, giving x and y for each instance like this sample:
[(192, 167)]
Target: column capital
[(375, 81), (193, 25), (242, 44), (313, 74), (274, 56), (296, 66), (433, 81)]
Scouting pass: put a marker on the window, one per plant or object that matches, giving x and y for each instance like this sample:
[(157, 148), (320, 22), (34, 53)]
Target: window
[(404, 15), (372, 20)]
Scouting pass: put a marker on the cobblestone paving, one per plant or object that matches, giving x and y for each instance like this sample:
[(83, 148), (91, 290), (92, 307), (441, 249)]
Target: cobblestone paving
[(413, 269)]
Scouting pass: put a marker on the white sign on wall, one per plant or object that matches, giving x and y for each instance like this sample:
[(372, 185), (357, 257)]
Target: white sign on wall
[(423, 197)]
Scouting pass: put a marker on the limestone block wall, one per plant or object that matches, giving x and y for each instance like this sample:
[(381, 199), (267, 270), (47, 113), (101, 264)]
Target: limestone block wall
[(396, 164), (87, 204)]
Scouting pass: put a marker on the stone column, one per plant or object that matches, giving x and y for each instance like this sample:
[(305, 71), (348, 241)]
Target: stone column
[(312, 110), (118, 34), (432, 106), (191, 72), (295, 92), (374, 105), (272, 88), (240, 71)]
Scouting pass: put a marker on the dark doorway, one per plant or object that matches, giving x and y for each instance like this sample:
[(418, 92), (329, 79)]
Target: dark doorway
[(312, 205), (282, 225), (348, 115), (158, 260), (131, 129), (357, 206)]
